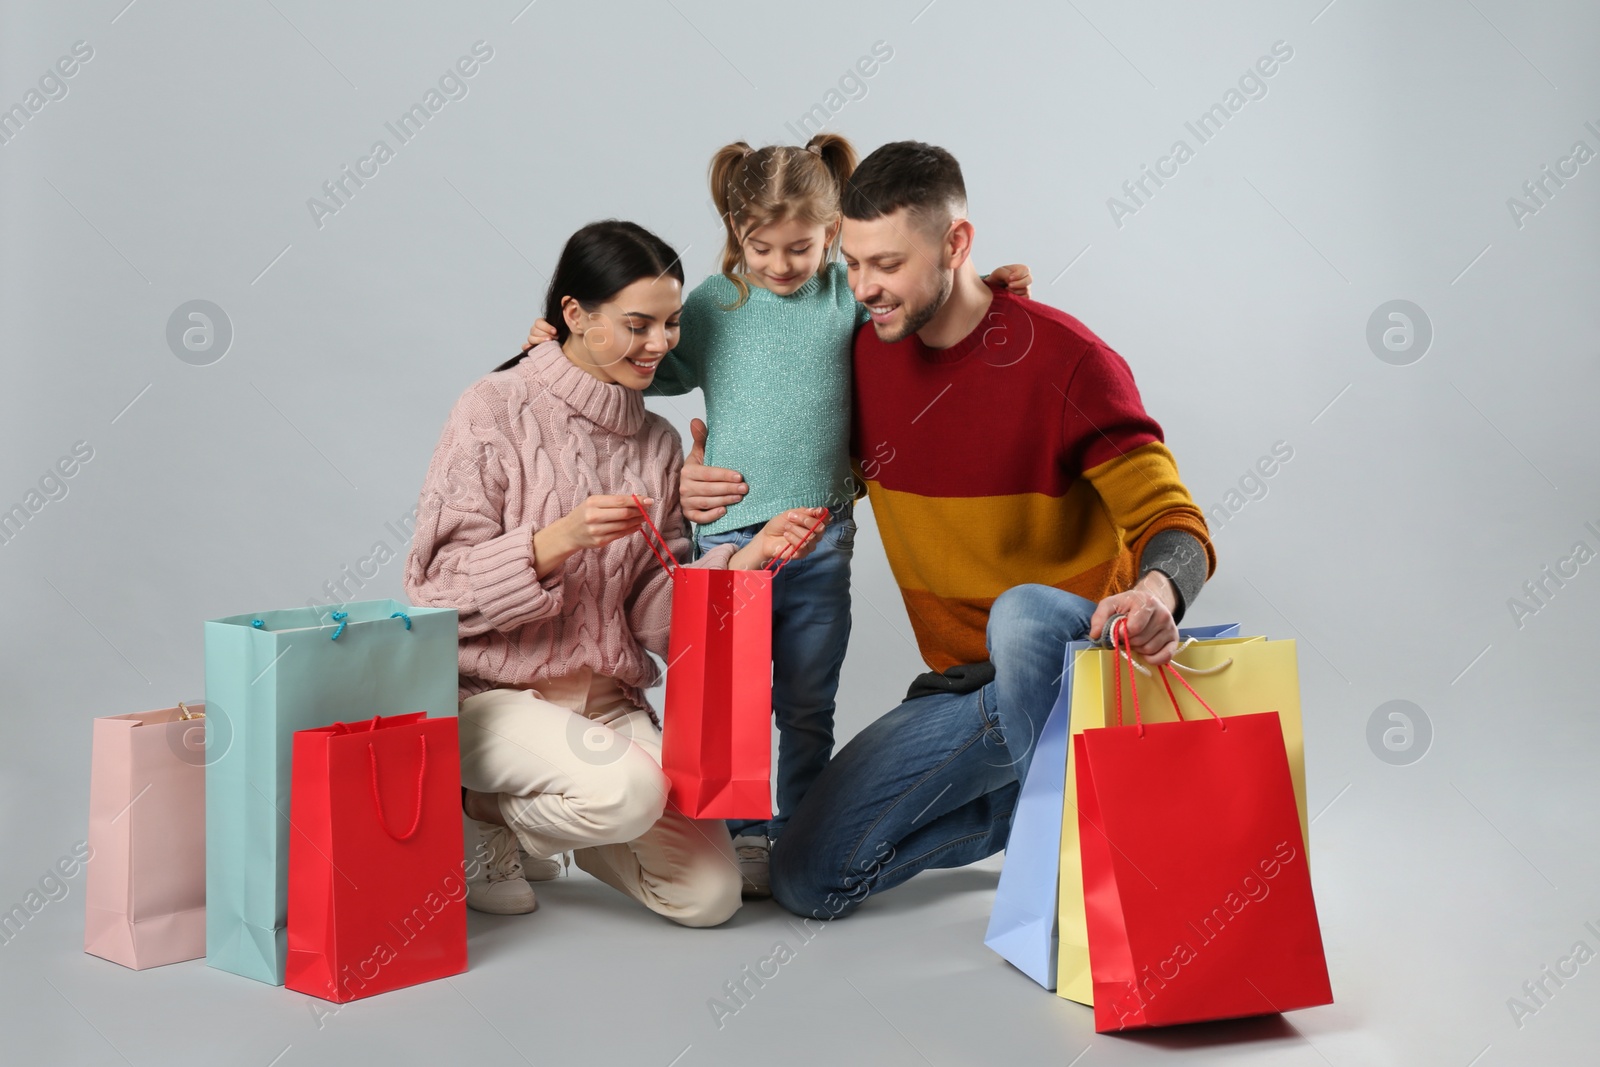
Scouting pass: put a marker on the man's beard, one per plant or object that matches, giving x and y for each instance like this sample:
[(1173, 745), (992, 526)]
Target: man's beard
[(920, 316)]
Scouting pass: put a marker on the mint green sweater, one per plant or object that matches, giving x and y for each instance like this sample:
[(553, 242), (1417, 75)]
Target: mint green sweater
[(776, 374)]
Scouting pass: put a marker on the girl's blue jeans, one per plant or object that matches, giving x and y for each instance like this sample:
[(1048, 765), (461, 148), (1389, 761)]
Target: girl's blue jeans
[(810, 629)]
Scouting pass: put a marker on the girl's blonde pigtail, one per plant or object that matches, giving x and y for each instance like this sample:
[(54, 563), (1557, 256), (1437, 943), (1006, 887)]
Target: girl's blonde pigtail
[(839, 157), (726, 166)]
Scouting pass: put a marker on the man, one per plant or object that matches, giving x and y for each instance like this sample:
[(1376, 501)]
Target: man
[(1024, 498)]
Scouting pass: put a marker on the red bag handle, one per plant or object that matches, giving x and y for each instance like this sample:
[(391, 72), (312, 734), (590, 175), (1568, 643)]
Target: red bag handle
[(1119, 628), (377, 802), (663, 556), (342, 728), (789, 551), (1124, 648), (1168, 669)]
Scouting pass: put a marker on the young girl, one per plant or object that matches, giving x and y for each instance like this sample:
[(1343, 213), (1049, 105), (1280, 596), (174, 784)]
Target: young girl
[(769, 341), (526, 526)]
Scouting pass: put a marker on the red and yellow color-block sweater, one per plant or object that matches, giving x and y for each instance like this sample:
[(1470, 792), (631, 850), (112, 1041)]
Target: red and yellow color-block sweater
[(1020, 454)]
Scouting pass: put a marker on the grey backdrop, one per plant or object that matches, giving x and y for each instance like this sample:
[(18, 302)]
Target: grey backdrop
[(1430, 479)]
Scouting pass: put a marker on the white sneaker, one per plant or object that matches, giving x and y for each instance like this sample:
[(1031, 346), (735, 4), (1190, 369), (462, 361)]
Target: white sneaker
[(544, 870), (755, 865), (499, 887)]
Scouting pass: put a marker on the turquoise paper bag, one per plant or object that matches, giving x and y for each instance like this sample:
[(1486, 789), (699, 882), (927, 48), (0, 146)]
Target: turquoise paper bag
[(1022, 922), (268, 675)]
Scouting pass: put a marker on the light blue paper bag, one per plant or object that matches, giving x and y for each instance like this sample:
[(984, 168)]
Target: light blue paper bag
[(268, 675), (1022, 924)]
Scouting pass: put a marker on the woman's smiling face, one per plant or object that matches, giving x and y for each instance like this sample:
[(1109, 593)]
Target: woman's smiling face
[(624, 339)]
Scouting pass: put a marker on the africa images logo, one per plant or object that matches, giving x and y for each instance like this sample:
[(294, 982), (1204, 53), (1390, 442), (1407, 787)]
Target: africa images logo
[(1212, 926)]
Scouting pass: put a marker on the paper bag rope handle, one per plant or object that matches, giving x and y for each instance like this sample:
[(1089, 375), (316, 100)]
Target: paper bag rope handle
[(1119, 638), (1122, 645), (789, 551), (343, 617), (663, 556), (377, 801), (1183, 682), (1198, 672)]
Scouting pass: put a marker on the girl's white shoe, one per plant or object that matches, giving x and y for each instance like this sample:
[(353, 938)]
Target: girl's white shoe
[(755, 865)]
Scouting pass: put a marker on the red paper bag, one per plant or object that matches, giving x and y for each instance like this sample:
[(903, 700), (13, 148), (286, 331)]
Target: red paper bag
[(377, 893), (1195, 881), (716, 731)]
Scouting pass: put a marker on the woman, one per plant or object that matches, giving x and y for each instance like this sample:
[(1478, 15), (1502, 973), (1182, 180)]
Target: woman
[(527, 527)]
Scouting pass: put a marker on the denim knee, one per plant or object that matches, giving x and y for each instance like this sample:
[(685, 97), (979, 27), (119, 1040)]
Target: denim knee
[(1025, 608), (795, 891), (788, 881)]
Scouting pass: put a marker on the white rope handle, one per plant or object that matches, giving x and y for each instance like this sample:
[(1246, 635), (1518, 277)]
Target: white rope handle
[(1140, 667), (1197, 672), (1193, 672), (1105, 635), (1201, 672)]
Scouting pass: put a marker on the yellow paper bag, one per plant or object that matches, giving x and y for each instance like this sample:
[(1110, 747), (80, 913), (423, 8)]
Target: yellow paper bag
[(1236, 676)]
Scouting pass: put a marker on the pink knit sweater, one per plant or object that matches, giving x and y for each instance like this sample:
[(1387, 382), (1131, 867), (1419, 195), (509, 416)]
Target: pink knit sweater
[(523, 447)]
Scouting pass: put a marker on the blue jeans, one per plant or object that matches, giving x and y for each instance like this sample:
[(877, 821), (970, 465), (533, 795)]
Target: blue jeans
[(810, 628), (932, 783)]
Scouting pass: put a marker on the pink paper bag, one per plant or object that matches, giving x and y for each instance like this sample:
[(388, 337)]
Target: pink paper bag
[(145, 885)]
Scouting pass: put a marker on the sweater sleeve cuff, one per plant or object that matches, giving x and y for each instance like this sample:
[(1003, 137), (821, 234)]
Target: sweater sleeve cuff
[(505, 587), (1180, 556), (715, 559)]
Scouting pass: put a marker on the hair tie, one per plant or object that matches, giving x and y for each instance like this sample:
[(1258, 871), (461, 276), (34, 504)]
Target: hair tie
[(814, 149)]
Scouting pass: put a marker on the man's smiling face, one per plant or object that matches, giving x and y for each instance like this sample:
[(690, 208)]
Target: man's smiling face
[(898, 269)]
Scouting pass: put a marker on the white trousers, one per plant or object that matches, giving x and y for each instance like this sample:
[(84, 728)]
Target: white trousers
[(577, 767)]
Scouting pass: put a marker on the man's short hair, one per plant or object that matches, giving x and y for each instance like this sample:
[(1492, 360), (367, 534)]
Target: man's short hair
[(923, 178)]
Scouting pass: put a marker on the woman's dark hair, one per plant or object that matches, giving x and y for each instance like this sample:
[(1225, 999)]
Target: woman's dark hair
[(597, 263)]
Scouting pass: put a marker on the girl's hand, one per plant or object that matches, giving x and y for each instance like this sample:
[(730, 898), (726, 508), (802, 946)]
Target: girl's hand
[(542, 331), (792, 528), (1015, 277), (595, 523)]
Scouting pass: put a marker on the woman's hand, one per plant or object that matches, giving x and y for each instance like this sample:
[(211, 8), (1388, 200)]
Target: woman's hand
[(600, 520), (542, 331), (595, 523), (1015, 277), (790, 529)]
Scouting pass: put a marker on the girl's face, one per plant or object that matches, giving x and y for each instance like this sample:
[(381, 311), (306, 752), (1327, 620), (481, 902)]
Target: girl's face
[(782, 256), (624, 339)]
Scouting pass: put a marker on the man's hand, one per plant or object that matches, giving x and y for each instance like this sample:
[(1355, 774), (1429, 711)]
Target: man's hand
[(541, 332), (705, 492), (1148, 606), (1015, 277)]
